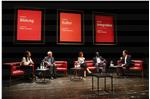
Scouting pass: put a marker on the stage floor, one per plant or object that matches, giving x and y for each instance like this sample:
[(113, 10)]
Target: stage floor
[(64, 88)]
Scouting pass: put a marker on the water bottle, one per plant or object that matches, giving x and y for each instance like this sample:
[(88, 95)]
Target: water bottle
[(42, 65), (111, 63)]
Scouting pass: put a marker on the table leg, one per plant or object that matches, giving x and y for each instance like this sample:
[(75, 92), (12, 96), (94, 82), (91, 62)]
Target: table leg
[(105, 83), (92, 82), (98, 84), (41, 75), (71, 71), (111, 83), (44, 76), (75, 72)]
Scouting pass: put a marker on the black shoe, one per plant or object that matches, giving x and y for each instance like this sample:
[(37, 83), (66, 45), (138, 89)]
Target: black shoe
[(54, 77), (49, 78)]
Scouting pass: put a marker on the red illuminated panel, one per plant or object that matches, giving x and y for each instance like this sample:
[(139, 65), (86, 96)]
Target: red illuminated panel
[(104, 28), (70, 27), (29, 25)]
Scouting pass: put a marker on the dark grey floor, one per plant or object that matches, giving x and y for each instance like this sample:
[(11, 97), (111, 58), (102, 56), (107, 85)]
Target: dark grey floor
[(64, 88)]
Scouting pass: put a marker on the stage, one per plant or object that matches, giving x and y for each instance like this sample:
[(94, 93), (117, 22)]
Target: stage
[(64, 88)]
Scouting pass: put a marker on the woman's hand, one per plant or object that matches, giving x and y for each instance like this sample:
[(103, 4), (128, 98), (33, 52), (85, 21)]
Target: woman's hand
[(121, 58), (31, 64)]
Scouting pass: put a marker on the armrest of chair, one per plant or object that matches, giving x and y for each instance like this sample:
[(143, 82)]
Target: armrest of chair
[(65, 64), (61, 63), (9, 68), (12, 63), (89, 63), (12, 66), (137, 64)]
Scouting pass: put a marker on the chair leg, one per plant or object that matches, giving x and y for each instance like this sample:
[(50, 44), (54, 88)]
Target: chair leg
[(142, 74), (10, 79), (65, 73), (33, 75)]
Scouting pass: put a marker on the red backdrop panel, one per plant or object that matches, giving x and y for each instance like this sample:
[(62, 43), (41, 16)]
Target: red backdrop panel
[(29, 25), (104, 27), (70, 27)]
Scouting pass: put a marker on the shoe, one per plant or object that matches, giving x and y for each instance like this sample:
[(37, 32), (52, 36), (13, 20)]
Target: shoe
[(89, 72), (52, 78), (81, 77), (84, 78)]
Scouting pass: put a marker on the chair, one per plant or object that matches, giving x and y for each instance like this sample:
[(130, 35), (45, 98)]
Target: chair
[(137, 67), (31, 68), (89, 64), (61, 66), (12, 70)]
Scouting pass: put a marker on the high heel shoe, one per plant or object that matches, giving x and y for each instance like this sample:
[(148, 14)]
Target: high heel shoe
[(89, 72)]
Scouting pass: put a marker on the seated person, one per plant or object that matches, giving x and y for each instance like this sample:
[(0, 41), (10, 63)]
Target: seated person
[(49, 63), (82, 64), (27, 63), (99, 63), (124, 62)]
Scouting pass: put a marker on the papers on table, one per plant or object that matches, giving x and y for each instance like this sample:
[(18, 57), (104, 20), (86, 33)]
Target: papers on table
[(115, 66)]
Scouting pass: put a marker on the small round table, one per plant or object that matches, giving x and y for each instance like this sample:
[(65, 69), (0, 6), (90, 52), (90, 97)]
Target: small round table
[(76, 73), (43, 72)]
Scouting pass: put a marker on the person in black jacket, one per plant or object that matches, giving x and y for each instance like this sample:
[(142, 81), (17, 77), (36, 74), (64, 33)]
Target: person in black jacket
[(125, 62), (99, 63)]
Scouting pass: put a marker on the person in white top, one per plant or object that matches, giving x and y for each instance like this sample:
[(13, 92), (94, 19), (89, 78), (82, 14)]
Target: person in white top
[(27, 64), (82, 64), (26, 60)]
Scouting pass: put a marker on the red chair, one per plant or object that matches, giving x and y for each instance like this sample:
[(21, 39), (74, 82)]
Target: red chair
[(137, 66), (32, 72), (12, 70), (89, 64), (61, 66)]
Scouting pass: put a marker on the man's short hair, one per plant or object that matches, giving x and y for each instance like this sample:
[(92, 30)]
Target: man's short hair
[(126, 51), (49, 52), (97, 52)]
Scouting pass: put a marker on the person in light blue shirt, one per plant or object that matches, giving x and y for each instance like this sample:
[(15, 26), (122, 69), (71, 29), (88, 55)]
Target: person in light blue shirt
[(49, 62)]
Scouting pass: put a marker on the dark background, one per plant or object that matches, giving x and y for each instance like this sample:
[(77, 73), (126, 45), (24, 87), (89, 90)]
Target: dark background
[(132, 27)]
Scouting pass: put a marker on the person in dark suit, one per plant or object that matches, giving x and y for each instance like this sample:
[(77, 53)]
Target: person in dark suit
[(49, 62), (99, 63), (125, 62)]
